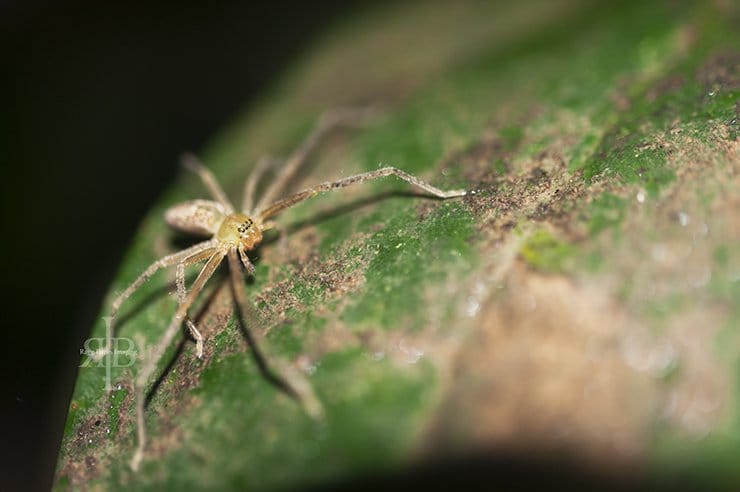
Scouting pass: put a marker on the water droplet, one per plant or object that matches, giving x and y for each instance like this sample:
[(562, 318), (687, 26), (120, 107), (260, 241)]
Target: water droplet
[(683, 219), (645, 355), (412, 354), (701, 278), (472, 307)]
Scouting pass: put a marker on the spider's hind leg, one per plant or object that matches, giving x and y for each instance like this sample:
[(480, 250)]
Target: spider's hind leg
[(328, 122), (192, 163)]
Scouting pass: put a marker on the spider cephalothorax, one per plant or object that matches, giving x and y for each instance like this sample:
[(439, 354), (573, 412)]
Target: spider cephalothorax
[(240, 230)]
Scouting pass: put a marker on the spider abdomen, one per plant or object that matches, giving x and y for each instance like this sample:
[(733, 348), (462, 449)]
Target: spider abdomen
[(196, 217)]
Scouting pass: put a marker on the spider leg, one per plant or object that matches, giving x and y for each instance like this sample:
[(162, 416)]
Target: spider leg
[(198, 337), (327, 123), (169, 260), (288, 378), (190, 162), (158, 351), (298, 197), (245, 260), (181, 293), (250, 186)]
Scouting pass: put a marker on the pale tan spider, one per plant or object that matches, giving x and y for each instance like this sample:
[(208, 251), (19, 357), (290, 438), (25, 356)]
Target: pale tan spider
[(232, 233)]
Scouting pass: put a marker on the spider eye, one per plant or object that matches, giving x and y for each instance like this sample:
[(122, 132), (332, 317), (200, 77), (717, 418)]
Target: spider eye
[(244, 227)]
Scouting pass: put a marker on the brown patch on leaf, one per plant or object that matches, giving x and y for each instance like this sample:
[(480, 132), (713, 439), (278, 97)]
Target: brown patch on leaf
[(543, 191), (89, 452), (665, 86), (545, 371), (331, 279), (171, 400), (582, 363), (721, 72), (329, 276)]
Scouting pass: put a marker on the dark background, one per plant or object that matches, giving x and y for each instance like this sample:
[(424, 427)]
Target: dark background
[(97, 101)]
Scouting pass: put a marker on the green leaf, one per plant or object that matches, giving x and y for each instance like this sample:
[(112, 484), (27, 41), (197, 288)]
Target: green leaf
[(583, 296)]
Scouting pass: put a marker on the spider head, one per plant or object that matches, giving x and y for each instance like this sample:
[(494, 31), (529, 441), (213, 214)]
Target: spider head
[(239, 229)]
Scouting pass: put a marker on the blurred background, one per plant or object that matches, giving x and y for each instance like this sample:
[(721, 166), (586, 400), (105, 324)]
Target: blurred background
[(98, 101)]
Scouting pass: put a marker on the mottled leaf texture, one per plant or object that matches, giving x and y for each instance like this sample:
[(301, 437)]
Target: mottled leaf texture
[(577, 315)]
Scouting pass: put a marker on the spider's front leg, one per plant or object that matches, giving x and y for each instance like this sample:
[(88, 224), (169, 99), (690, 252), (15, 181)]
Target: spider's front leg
[(197, 250), (245, 260), (296, 198), (156, 354), (272, 367), (181, 294)]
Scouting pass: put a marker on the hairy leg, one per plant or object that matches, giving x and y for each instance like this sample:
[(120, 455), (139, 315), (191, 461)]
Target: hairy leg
[(285, 375), (245, 260), (150, 364), (190, 162), (296, 198), (181, 293), (250, 186), (169, 260), (328, 122)]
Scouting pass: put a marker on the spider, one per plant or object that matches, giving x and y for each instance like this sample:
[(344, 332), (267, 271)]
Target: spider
[(231, 233)]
